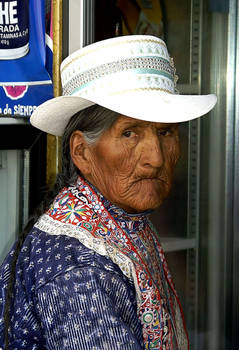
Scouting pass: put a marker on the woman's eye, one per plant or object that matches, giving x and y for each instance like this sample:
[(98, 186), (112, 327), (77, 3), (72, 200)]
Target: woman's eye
[(128, 133), (165, 132)]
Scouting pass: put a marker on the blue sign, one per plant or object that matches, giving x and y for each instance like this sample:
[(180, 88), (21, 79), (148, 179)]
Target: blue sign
[(25, 82), (14, 29)]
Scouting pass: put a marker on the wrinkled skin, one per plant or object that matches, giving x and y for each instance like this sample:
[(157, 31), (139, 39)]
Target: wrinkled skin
[(132, 163)]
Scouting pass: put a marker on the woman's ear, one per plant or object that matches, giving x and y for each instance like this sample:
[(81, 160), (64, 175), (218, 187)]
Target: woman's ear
[(80, 153)]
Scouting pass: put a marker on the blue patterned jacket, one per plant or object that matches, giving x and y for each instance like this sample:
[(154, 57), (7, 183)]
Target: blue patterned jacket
[(68, 297)]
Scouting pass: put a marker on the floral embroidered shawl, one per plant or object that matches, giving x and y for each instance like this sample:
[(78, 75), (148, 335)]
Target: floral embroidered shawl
[(131, 242)]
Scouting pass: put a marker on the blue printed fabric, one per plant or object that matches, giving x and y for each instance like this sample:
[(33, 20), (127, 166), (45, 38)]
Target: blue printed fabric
[(68, 297)]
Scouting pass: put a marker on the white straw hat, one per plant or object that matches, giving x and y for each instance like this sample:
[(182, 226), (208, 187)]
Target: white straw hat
[(132, 75)]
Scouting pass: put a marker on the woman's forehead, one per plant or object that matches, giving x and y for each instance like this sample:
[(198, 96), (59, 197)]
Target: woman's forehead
[(124, 121)]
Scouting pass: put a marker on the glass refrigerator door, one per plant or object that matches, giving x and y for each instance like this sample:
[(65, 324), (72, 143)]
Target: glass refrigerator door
[(179, 24)]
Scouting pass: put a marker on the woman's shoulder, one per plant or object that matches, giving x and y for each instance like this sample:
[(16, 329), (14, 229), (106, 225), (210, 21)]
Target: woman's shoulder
[(44, 256)]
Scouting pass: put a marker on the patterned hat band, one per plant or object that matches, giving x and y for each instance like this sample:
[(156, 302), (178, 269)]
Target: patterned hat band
[(157, 72)]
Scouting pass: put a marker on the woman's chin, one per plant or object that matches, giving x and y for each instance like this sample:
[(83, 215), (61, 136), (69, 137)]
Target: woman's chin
[(151, 194), (148, 201)]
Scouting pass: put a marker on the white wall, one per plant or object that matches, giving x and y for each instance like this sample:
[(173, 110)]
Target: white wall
[(75, 25)]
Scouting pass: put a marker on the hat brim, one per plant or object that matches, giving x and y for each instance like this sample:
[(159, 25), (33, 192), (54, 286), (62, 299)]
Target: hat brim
[(53, 115)]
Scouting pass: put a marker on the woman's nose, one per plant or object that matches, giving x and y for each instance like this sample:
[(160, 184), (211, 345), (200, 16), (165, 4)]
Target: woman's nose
[(152, 152)]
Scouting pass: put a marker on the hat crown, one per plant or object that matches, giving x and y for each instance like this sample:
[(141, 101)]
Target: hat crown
[(107, 67)]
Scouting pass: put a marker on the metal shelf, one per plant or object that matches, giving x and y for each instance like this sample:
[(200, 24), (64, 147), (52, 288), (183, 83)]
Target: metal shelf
[(172, 244)]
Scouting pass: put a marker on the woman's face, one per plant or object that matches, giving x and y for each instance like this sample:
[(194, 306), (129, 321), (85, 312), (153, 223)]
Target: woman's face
[(132, 163)]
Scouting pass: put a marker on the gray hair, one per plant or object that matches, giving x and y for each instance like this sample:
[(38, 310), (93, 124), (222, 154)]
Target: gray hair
[(93, 122)]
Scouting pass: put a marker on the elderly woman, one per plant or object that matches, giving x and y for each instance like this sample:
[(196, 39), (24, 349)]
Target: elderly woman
[(90, 273)]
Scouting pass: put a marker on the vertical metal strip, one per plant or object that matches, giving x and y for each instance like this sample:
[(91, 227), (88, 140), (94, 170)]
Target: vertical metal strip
[(235, 284), (230, 166), (194, 84), (194, 176), (221, 169), (25, 188), (65, 29), (53, 142), (193, 226), (57, 45), (88, 22), (195, 47)]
